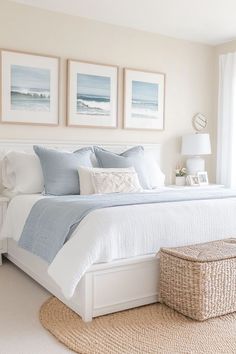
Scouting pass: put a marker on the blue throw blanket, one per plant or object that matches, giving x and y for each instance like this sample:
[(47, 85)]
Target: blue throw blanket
[(53, 219)]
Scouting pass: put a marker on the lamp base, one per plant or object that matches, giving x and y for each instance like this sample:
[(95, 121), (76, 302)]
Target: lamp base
[(195, 164)]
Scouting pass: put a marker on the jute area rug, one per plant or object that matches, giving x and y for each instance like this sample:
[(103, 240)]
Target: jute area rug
[(148, 329)]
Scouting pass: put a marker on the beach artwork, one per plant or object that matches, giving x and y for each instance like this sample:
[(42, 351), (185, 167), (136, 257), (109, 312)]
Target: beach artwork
[(144, 100), (92, 95), (30, 89)]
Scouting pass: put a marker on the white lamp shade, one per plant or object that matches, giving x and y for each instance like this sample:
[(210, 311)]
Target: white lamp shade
[(196, 144)]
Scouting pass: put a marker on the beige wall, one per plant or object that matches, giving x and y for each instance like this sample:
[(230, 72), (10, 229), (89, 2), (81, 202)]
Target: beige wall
[(189, 72)]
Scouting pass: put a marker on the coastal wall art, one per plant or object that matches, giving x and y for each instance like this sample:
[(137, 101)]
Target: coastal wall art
[(92, 95), (143, 100), (29, 88)]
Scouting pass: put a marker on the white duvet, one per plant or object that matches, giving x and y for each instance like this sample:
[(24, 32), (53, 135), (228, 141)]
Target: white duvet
[(128, 231)]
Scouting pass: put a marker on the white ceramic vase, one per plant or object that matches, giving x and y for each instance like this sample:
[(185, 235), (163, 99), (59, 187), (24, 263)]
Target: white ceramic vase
[(180, 180)]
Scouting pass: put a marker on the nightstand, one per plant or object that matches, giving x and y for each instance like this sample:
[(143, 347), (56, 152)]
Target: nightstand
[(3, 208), (204, 186)]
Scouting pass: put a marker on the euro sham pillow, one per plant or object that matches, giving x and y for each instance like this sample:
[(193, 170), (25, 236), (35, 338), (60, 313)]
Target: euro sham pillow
[(108, 180), (115, 180), (148, 171), (60, 169), (22, 173)]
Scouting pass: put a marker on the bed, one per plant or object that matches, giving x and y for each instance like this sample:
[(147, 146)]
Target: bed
[(117, 278)]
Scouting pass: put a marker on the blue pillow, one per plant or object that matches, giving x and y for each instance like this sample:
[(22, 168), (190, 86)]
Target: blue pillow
[(134, 157), (60, 169)]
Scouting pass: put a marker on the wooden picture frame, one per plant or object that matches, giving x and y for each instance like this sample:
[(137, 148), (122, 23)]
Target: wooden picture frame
[(144, 100), (92, 92), (29, 89)]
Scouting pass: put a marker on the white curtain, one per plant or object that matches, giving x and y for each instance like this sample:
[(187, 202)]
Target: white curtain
[(226, 135)]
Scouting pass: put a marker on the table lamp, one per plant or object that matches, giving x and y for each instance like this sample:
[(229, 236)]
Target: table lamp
[(195, 145)]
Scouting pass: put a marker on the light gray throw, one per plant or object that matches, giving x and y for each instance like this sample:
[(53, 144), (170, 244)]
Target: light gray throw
[(52, 219)]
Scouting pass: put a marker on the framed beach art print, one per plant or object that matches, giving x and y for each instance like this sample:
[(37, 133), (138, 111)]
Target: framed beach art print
[(143, 100), (92, 95), (29, 88)]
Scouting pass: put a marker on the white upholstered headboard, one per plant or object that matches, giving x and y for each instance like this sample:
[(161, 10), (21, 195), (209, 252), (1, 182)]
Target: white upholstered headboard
[(27, 146)]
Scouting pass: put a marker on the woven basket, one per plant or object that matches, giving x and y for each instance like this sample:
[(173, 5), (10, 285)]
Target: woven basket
[(199, 281)]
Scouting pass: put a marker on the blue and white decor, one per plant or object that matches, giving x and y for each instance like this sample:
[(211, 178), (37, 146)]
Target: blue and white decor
[(144, 100), (92, 94), (29, 88)]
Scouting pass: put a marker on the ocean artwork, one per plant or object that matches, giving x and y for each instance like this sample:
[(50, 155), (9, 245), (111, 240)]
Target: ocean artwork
[(93, 95), (144, 100), (30, 89)]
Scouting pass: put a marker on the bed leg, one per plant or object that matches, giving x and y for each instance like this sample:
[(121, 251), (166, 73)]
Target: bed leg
[(87, 298), (87, 318), (0, 259)]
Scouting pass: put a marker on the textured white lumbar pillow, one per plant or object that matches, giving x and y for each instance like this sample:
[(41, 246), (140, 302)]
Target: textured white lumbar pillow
[(108, 180), (116, 181)]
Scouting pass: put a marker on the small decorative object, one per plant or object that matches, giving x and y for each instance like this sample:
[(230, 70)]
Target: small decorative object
[(193, 180), (202, 177), (180, 176), (144, 100), (29, 88), (92, 95), (195, 145), (199, 122)]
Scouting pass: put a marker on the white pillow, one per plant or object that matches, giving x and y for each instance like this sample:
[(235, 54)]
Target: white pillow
[(85, 180), (116, 181), (108, 180), (22, 173), (156, 176)]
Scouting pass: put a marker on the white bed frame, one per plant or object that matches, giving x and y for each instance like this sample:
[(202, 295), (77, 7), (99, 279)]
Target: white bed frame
[(105, 287)]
